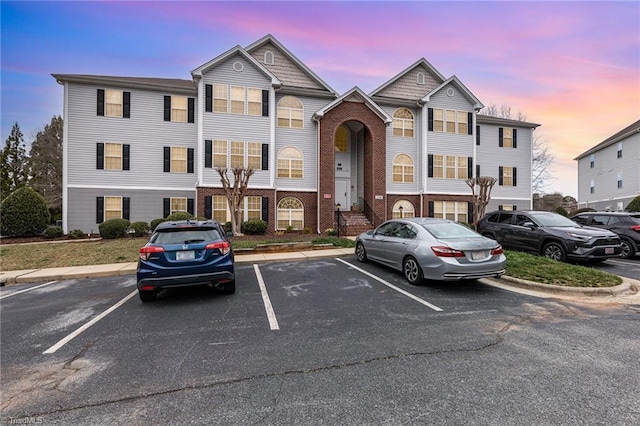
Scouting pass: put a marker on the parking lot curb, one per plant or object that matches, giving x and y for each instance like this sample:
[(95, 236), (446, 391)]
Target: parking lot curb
[(628, 285)]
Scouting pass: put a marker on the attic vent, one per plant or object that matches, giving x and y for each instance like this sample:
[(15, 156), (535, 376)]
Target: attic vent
[(450, 92), (420, 78), (268, 57), (237, 66)]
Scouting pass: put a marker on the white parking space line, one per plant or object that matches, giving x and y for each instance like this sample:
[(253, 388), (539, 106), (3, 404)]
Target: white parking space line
[(273, 321), (28, 289), (623, 262), (416, 298), (73, 335)]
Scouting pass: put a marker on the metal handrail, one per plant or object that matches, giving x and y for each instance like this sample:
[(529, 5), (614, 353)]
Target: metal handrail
[(369, 213)]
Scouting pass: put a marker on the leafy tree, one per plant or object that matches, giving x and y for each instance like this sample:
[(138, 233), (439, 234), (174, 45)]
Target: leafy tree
[(13, 163), (45, 163), (634, 205), (235, 193), (24, 213)]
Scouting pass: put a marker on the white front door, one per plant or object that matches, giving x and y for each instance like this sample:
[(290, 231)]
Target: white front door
[(343, 193)]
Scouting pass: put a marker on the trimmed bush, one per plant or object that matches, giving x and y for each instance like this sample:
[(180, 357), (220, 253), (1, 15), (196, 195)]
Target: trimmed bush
[(114, 228), (140, 228), (24, 213), (561, 210), (156, 222), (53, 232), (227, 227), (76, 233), (179, 216), (254, 227)]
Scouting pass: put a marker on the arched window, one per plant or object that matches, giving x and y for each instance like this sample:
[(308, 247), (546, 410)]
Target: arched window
[(290, 112), (342, 139), (403, 208), (403, 123), (268, 57), (290, 163), (290, 213), (420, 78), (402, 169)]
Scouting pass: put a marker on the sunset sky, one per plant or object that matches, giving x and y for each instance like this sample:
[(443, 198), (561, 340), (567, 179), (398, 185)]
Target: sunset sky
[(573, 67)]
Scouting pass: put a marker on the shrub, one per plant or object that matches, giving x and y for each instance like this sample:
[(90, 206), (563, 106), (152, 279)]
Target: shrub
[(307, 230), (561, 210), (114, 228), (140, 228), (227, 227), (76, 233), (634, 205), (179, 216), (289, 229), (24, 213), (330, 232), (254, 227), (53, 232), (156, 222)]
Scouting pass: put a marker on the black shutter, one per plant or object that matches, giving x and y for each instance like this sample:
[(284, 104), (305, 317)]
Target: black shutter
[(265, 156), (515, 176), (477, 135), (431, 209), (470, 213), (430, 115), (191, 110), (500, 136), (167, 108), (430, 165), (100, 156), (126, 208), (100, 102), (265, 209), (167, 159), (190, 206), (500, 169), (99, 209), (515, 138), (469, 167), (166, 207), (469, 123), (208, 97), (190, 152), (477, 170), (208, 213), (126, 104), (500, 207), (265, 103), (208, 154), (126, 150)]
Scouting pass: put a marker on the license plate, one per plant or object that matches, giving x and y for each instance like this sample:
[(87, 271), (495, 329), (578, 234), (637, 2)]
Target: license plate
[(185, 255), (478, 255), (608, 250)]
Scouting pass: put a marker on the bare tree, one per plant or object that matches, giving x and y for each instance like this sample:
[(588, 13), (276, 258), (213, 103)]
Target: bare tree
[(235, 193), (481, 199)]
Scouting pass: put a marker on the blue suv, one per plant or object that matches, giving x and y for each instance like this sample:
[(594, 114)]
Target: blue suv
[(185, 253)]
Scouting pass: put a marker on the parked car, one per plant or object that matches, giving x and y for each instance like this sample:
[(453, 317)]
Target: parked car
[(549, 234), (626, 225), (185, 253), (433, 249)]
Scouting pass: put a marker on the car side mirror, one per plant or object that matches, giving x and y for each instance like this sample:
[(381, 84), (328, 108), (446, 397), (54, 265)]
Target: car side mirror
[(529, 225)]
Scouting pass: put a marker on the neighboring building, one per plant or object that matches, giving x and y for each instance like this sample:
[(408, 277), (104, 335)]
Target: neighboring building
[(609, 173), (142, 148)]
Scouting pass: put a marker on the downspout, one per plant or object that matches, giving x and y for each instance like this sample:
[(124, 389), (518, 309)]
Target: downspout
[(65, 159), (317, 120), (423, 146), (272, 153), (200, 147)]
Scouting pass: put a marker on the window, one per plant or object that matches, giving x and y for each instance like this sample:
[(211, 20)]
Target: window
[(290, 112), (507, 207), (619, 155), (507, 176), (112, 208), (462, 122), (463, 168), (402, 169), (254, 155), (403, 123), (179, 109), (507, 137), (592, 186), (342, 139), (220, 209), (420, 78), (620, 180), (178, 159), (237, 100), (592, 161), (452, 210), (112, 156), (178, 205), (237, 154), (290, 213), (268, 57), (451, 121), (290, 162), (401, 209), (254, 98), (438, 120), (449, 167), (113, 103), (219, 153), (220, 98), (254, 208), (438, 166)]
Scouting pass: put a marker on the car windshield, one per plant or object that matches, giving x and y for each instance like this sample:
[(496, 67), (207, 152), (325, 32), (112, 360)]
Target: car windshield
[(185, 236), (552, 219), (445, 230)]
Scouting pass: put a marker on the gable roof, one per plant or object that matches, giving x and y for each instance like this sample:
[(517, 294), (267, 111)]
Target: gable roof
[(456, 82), (149, 83), (488, 119), (306, 70), (237, 50), (622, 134), (357, 94), (421, 62)]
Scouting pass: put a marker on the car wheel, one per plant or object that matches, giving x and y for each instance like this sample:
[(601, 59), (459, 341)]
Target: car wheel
[(412, 271), (361, 253), (554, 251), (628, 250), (229, 288), (147, 296)]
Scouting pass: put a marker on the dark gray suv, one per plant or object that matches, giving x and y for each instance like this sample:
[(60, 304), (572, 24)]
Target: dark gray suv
[(549, 234), (626, 225)]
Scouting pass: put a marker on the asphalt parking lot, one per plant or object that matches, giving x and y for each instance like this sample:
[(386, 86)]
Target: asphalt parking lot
[(325, 341)]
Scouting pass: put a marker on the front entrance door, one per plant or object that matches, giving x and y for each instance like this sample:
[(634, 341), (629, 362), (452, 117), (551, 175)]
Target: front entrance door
[(343, 193)]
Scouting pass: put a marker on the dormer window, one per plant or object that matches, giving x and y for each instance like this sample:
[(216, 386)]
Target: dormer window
[(268, 57), (420, 78)]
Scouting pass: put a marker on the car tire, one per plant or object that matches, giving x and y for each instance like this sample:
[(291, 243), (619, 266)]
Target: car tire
[(555, 251), (147, 296), (361, 253), (229, 288), (412, 271), (628, 250)]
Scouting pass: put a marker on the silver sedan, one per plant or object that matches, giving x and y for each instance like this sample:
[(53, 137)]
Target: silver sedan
[(432, 249)]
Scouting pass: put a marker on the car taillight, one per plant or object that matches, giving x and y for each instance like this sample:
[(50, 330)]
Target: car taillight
[(444, 251), (497, 250), (146, 251), (636, 228), (223, 246)]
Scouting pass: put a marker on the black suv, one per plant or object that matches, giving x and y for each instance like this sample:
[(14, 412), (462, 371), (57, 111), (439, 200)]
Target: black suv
[(626, 225), (549, 234)]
